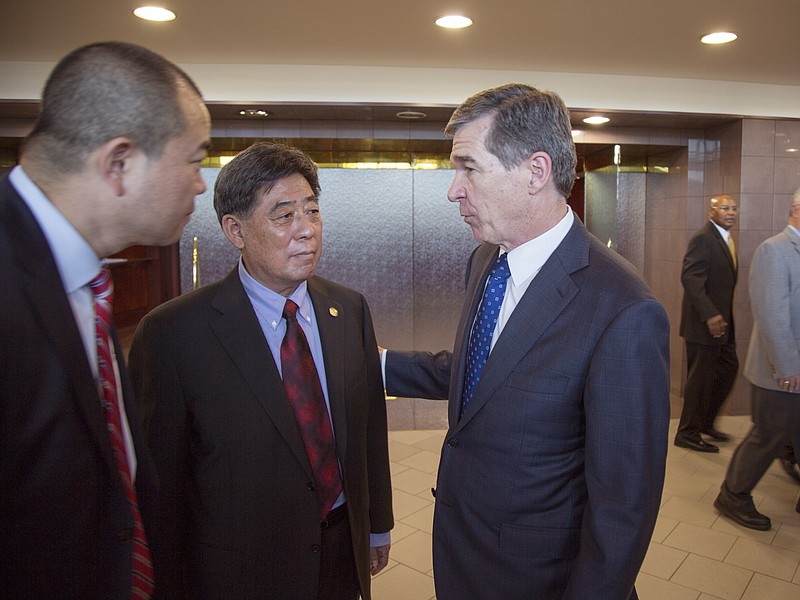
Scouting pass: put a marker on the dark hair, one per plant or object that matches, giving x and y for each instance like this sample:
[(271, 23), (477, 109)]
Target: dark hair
[(106, 90), (254, 171), (526, 120)]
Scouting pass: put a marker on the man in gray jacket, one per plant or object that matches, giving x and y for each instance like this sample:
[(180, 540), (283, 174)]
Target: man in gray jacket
[(773, 368)]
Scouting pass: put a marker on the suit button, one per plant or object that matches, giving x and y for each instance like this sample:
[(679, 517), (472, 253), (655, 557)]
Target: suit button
[(316, 548), (453, 443), (125, 535), (310, 486)]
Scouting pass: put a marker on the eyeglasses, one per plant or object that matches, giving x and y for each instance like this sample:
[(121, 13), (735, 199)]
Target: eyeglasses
[(727, 208)]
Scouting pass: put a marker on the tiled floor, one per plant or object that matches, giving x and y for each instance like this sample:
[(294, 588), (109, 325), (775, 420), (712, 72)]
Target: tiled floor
[(695, 554)]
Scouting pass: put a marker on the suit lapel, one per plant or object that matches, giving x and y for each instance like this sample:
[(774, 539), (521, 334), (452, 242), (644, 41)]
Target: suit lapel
[(331, 320), (239, 332), (726, 251), (41, 283), (547, 296)]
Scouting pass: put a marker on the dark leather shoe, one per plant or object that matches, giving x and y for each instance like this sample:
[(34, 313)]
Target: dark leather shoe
[(698, 444), (745, 516), (715, 435), (791, 469)]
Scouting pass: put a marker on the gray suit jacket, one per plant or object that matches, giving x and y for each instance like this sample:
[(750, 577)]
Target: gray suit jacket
[(236, 480), (774, 350), (550, 483)]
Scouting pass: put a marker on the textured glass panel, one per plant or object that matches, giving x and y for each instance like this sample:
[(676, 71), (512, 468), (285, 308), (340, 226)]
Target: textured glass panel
[(367, 244), (216, 254), (601, 205), (442, 245), (630, 217)]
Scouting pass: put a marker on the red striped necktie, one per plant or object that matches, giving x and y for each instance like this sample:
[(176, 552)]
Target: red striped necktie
[(142, 566)]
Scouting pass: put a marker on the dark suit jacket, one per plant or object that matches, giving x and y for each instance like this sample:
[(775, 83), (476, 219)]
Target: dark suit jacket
[(244, 520), (550, 483), (708, 279), (65, 524)]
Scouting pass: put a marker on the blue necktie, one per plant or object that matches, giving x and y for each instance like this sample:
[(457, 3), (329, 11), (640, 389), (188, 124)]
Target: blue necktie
[(482, 330)]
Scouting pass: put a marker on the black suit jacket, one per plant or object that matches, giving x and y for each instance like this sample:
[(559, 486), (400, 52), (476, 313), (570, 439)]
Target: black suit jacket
[(244, 520), (550, 482), (708, 277), (65, 523)]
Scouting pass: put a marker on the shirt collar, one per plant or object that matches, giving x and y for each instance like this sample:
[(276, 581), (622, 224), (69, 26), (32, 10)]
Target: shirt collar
[(526, 260), (722, 231), (75, 259), (269, 304)]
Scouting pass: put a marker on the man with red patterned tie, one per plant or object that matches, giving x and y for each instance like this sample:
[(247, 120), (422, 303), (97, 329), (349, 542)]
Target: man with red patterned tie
[(264, 408), (112, 161)]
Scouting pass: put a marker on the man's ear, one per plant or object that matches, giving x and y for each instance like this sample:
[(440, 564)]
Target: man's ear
[(232, 228), (115, 162), (541, 169)]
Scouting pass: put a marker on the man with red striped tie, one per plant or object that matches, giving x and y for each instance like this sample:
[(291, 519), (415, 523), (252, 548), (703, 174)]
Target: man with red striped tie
[(112, 161)]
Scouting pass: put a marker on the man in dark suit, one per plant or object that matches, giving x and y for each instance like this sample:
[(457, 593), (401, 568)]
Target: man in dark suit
[(112, 161), (552, 467), (247, 518), (708, 278)]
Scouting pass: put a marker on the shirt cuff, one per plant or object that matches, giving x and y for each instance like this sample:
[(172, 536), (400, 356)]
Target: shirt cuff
[(380, 539)]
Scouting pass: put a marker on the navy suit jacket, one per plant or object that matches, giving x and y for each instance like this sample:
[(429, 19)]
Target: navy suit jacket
[(236, 480), (65, 523), (549, 485)]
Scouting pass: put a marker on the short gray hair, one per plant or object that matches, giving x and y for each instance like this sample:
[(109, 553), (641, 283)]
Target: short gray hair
[(526, 120)]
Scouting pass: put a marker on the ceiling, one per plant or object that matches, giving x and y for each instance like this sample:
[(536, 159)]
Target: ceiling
[(615, 37), (622, 37)]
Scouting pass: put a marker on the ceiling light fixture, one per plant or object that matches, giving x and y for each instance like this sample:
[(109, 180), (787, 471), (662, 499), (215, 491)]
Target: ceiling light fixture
[(596, 120), (253, 112), (411, 114), (453, 21), (718, 37), (154, 13)]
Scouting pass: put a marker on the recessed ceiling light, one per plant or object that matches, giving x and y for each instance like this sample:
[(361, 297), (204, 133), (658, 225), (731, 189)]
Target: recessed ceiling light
[(453, 21), (253, 112), (410, 114), (154, 13), (596, 120), (718, 37)]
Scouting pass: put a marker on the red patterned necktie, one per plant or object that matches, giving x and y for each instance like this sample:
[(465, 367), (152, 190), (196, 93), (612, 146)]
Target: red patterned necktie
[(142, 566), (301, 382)]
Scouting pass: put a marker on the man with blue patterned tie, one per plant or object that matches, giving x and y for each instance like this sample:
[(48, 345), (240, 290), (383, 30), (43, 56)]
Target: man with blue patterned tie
[(552, 467)]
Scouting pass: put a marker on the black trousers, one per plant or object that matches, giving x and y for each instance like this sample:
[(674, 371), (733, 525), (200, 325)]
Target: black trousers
[(710, 378), (338, 577)]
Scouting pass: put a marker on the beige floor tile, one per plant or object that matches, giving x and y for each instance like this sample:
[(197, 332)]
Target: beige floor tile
[(421, 520), (727, 526), (768, 588), (395, 469), (649, 587), (423, 460), (700, 540), (432, 443), (697, 513), (401, 530), (708, 597), (662, 561), (413, 481), (414, 551), (686, 487), (788, 537), (712, 577), (664, 526), (398, 450), (763, 558), (403, 583), (410, 437), (405, 504)]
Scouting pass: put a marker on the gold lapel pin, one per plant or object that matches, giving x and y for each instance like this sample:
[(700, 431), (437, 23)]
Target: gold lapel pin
[(334, 311)]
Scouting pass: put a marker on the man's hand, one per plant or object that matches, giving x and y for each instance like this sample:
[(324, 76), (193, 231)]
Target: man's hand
[(378, 557), (717, 326), (790, 383)]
